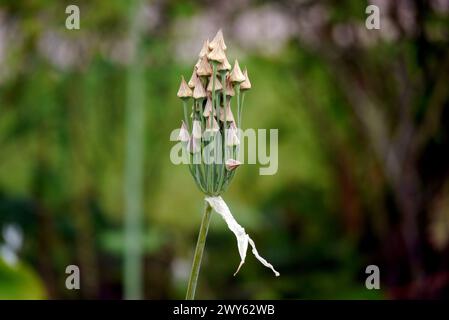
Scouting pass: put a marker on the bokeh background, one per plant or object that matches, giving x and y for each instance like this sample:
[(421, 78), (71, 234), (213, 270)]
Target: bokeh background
[(85, 174)]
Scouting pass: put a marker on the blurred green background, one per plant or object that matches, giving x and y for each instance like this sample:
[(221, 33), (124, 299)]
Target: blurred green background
[(85, 119)]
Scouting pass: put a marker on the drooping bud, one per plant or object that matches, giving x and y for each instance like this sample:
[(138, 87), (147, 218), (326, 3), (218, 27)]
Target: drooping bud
[(204, 69), (229, 115), (193, 79), (212, 125), (236, 74), (231, 136), (198, 91), (193, 146), (196, 130), (217, 54), (205, 49), (232, 164), (217, 84), (218, 41), (225, 65), (184, 90), (245, 85), (183, 133), (208, 108)]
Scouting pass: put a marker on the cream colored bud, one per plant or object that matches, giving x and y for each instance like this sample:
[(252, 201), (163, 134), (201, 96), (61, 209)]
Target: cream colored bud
[(183, 133), (218, 41), (245, 85), (212, 125), (193, 79), (236, 74), (232, 164), (184, 90), (229, 88), (208, 108), (198, 91), (229, 115), (205, 49), (217, 54), (225, 65), (204, 69), (196, 130), (217, 84)]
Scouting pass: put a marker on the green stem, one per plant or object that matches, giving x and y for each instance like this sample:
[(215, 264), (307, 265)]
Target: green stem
[(186, 118), (196, 265)]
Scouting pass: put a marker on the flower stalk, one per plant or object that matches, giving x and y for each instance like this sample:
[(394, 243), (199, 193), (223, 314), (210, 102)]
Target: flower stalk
[(198, 256), (212, 129)]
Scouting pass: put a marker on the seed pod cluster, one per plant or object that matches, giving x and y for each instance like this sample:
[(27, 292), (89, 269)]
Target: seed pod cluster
[(210, 130)]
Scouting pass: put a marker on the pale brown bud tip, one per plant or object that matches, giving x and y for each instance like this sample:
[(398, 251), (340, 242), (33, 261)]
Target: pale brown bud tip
[(236, 73), (184, 90), (193, 79), (245, 85), (218, 41), (205, 49)]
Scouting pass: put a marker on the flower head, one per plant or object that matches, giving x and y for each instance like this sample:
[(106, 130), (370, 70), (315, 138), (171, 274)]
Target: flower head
[(198, 91), (184, 90), (196, 130), (218, 41), (204, 69), (236, 74), (217, 85), (183, 133), (245, 85)]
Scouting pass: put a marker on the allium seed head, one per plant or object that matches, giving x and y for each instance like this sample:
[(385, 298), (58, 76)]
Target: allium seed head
[(198, 91), (236, 73), (204, 68), (218, 41), (225, 65), (205, 49), (183, 133), (212, 125), (217, 54), (245, 85), (196, 131), (217, 84), (184, 90), (229, 115), (193, 79), (229, 89), (208, 108)]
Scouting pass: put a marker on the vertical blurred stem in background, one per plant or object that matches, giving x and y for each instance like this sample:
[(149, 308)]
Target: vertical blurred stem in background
[(133, 189)]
